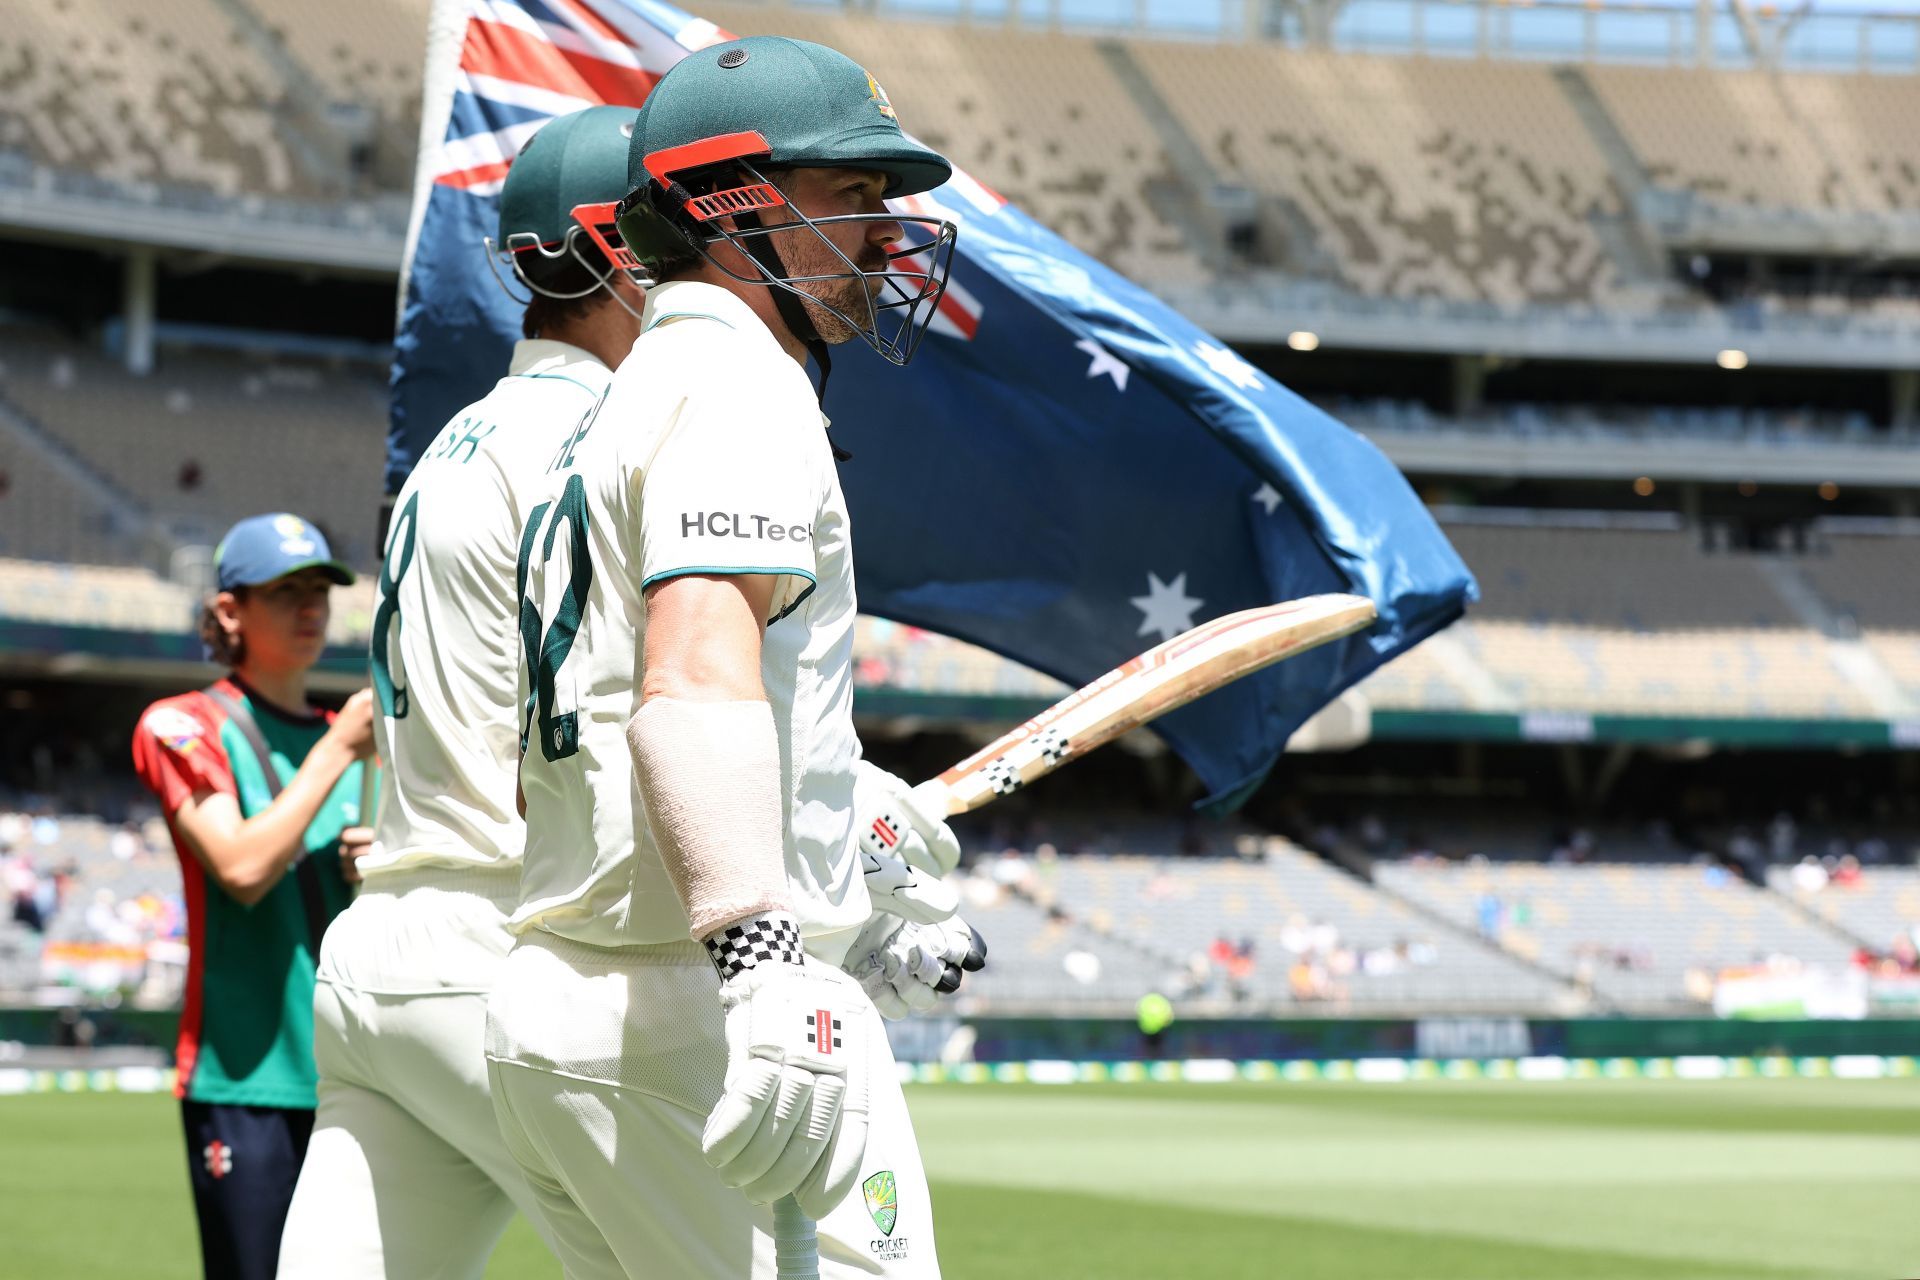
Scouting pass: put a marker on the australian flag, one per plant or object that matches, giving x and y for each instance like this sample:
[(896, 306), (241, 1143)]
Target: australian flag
[(1068, 473)]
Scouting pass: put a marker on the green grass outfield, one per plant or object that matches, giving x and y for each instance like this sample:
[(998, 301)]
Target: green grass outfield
[(1627, 1179)]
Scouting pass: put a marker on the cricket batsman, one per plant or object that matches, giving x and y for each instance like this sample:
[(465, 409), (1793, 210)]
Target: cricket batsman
[(672, 1043), (406, 1175)]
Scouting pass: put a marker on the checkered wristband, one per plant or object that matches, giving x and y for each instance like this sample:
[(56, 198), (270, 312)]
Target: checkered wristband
[(750, 943)]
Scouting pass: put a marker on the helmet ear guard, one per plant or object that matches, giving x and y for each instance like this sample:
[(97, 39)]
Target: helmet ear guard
[(601, 222)]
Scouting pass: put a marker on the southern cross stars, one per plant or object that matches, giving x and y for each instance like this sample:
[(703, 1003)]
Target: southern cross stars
[(1104, 362), (1225, 362), (1168, 608)]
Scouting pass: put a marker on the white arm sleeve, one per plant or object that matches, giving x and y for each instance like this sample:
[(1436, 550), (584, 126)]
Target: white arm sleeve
[(709, 775)]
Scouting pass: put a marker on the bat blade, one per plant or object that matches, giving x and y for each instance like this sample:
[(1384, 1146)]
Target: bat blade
[(1162, 679)]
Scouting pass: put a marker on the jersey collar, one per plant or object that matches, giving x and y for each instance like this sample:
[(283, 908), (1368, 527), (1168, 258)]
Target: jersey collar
[(533, 357), (690, 298)]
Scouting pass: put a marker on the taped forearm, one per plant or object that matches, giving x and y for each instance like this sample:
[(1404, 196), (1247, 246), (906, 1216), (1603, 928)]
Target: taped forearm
[(709, 775)]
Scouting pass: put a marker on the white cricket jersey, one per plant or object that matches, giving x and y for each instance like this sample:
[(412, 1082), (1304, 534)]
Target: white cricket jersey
[(446, 643), (710, 455)]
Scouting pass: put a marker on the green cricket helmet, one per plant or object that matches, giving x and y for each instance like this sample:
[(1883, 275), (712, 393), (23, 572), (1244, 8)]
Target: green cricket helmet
[(557, 204), (697, 175)]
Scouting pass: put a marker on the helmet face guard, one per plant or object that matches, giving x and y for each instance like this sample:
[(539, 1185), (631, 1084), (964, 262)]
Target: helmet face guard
[(523, 250), (897, 300)]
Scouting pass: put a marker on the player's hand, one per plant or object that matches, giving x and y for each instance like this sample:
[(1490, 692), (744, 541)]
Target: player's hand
[(355, 842), (352, 728), (905, 847), (793, 1117), (906, 967)]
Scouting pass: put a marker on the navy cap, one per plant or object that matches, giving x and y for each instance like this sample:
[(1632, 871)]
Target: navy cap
[(262, 548)]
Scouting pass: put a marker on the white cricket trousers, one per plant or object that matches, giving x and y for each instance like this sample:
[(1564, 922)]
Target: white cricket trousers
[(605, 1065), (406, 1176)]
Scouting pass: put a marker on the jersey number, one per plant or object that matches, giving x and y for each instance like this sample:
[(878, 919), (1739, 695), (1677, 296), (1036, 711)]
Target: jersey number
[(546, 650), (386, 618)]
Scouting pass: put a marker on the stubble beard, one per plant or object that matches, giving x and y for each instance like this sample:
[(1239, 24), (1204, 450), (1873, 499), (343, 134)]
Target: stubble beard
[(848, 295)]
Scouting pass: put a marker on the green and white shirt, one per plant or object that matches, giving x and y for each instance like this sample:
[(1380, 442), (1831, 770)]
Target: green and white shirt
[(446, 646)]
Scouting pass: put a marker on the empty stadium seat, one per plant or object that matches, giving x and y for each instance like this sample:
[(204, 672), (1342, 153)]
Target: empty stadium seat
[(1147, 919), (1040, 118), (145, 91), (211, 438), (1632, 932), (1473, 181), (1885, 903), (1728, 135)]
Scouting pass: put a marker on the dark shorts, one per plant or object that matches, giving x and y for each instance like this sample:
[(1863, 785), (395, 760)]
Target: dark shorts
[(243, 1162)]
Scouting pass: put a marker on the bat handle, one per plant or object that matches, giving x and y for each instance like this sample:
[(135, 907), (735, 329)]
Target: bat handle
[(935, 796), (796, 1248)]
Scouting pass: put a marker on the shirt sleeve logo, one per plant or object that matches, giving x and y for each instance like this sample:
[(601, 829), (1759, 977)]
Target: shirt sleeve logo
[(734, 524), (175, 728)]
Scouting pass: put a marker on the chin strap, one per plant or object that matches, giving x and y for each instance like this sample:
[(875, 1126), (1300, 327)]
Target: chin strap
[(793, 312)]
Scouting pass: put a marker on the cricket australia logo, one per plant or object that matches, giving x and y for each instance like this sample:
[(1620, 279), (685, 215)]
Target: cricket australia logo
[(219, 1158), (883, 1200), (883, 1203)]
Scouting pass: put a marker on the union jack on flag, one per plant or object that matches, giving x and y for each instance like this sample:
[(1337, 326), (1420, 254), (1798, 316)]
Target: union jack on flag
[(1022, 482), (521, 64)]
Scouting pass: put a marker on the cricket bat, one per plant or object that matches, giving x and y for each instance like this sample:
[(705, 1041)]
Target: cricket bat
[(1162, 679)]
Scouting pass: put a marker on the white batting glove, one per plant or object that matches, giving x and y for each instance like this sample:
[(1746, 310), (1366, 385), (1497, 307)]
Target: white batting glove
[(905, 847), (906, 967), (793, 1117)]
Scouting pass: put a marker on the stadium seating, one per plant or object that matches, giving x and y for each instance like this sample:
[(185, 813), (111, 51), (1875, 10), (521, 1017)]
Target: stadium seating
[(1040, 118), (366, 56), (1637, 579), (1631, 933), (43, 516), (121, 598), (1750, 138), (1735, 672), (1868, 578), (145, 91), (1473, 181), (211, 438), (1885, 904), (1729, 135), (1416, 681), (1857, 123), (1396, 177), (1151, 922)]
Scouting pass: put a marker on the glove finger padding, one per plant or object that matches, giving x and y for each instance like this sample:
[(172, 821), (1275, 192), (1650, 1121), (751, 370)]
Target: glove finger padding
[(742, 1108), (801, 1152), (838, 1168), (905, 967), (902, 890), (976, 957), (783, 1126), (879, 988), (961, 944), (793, 1034)]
